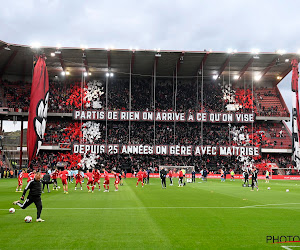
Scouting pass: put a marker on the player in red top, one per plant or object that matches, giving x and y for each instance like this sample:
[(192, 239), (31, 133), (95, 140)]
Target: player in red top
[(54, 177), (31, 176), (90, 181), (171, 177), (106, 181), (117, 181), (96, 174), (180, 175), (140, 176), (20, 181), (78, 178), (64, 176)]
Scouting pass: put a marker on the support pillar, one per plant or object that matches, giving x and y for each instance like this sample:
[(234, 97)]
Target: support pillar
[(21, 143)]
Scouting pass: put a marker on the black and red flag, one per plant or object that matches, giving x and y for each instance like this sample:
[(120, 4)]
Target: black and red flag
[(295, 76), (37, 116)]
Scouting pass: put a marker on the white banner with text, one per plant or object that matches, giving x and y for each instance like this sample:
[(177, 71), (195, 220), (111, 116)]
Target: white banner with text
[(97, 115), (175, 150)]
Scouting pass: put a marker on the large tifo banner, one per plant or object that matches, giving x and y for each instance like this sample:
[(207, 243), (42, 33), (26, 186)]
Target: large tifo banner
[(37, 115), (162, 116), (175, 150)]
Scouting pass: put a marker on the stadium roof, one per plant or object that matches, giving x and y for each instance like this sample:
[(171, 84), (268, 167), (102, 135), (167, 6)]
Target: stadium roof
[(17, 60)]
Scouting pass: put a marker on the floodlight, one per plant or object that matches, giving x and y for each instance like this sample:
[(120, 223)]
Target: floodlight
[(52, 54), (235, 77), (67, 73), (107, 74), (90, 73), (257, 77), (287, 60), (255, 51), (63, 73), (281, 51), (111, 74), (35, 45), (279, 77), (215, 77), (85, 74)]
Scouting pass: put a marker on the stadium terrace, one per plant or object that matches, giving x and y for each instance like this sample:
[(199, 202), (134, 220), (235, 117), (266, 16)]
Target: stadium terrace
[(181, 138), (185, 100)]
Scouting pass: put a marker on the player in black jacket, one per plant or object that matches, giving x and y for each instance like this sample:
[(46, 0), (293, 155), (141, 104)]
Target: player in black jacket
[(46, 181), (254, 179), (246, 177), (163, 175), (34, 196)]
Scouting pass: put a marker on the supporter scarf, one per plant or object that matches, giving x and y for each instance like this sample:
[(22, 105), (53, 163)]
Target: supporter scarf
[(37, 116)]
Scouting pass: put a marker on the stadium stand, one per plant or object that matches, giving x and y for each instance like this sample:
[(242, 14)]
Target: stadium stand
[(270, 103), (66, 97), (269, 131)]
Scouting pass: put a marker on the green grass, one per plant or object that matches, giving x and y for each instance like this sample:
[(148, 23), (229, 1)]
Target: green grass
[(210, 215)]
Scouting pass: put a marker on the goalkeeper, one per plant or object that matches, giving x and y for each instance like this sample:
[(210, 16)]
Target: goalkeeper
[(34, 196)]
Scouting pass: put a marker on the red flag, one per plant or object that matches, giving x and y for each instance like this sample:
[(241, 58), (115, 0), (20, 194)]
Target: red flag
[(295, 75), (37, 116)]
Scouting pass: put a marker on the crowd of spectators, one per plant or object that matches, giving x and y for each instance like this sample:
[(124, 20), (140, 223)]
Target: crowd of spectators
[(269, 103), (69, 95), (127, 162), (132, 163), (246, 100), (17, 95), (267, 135)]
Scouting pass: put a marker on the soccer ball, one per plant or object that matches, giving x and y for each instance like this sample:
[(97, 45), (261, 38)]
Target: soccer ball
[(287, 190), (58, 187), (269, 188), (12, 210), (28, 219)]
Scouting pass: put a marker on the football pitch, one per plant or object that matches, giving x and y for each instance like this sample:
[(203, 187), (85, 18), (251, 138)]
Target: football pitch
[(206, 215)]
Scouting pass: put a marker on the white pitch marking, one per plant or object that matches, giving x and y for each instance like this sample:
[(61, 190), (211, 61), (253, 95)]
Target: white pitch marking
[(263, 205), (137, 208)]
